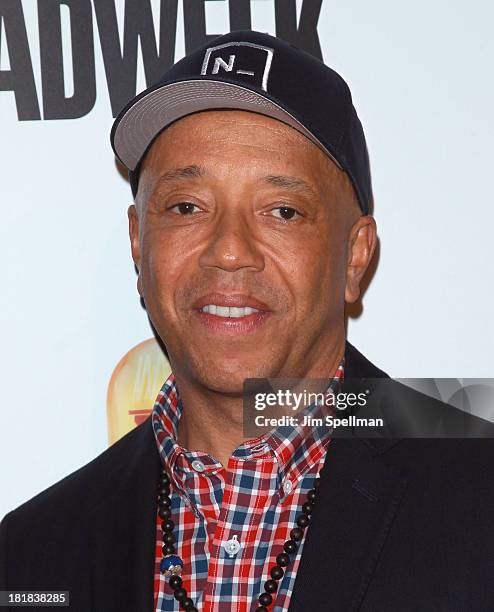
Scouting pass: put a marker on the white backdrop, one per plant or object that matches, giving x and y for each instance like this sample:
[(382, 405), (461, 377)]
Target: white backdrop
[(421, 74)]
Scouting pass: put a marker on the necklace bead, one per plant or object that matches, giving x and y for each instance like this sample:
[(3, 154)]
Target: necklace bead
[(167, 525), (297, 534), (175, 582), (302, 520), (277, 572), (290, 547), (187, 603), (283, 559), (164, 513), (168, 549), (311, 495), (265, 599), (180, 594)]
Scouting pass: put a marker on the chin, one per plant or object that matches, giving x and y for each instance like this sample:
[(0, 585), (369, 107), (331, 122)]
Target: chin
[(228, 377)]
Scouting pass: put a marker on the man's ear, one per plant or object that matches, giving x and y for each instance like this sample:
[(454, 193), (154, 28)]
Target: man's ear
[(361, 246), (134, 242)]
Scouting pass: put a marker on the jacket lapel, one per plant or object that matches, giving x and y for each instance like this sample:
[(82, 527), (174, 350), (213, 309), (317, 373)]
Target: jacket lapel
[(122, 532), (357, 499)]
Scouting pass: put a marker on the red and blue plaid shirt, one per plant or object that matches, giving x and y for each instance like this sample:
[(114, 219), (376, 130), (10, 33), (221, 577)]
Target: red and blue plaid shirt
[(255, 501)]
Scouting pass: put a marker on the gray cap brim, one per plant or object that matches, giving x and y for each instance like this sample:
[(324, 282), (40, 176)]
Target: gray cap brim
[(159, 108)]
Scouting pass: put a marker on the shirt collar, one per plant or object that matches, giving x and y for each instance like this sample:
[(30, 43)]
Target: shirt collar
[(296, 449)]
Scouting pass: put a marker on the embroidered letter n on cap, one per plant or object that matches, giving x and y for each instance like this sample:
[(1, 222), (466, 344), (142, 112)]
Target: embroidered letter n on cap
[(248, 61)]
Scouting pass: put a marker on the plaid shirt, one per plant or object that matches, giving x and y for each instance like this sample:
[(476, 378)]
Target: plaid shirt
[(255, 501)]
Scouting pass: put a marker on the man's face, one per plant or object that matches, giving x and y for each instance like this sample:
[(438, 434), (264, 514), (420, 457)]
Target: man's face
[(237, 209)]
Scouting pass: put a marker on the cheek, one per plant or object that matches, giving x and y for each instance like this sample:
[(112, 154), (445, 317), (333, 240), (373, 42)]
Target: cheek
[(162, 266), (319, 280)]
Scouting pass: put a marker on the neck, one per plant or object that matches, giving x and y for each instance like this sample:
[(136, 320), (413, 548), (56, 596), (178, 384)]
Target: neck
[(212, 422)]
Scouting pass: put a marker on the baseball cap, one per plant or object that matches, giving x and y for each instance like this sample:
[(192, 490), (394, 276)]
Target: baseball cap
[(252, 71)]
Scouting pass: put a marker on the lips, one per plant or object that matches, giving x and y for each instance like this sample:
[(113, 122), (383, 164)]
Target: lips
[(235, 300), (231, 314)]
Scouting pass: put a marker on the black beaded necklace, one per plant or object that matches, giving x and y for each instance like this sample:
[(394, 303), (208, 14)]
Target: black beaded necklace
[(171, 564)]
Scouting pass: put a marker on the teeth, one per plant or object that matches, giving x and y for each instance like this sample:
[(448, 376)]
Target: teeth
[(228, 311), (222, 311)]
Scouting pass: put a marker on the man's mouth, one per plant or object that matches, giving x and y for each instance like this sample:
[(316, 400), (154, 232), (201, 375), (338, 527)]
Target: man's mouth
[(231, 313)]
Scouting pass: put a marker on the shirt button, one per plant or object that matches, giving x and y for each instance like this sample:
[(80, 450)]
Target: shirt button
[(232, 546), (198, 465), (288, 487)]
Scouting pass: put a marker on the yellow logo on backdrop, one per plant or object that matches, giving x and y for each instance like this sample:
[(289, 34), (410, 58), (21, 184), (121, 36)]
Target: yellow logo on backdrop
[(134, 386)]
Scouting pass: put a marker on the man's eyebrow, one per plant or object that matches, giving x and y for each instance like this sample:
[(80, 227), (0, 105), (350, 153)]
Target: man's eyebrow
[(193, 171), (291, 183)]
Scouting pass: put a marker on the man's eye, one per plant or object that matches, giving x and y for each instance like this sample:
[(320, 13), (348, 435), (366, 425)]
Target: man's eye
[(184, 208), (285, 212)]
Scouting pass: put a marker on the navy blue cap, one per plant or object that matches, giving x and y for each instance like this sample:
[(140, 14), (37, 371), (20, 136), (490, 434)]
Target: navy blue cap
[(252, 71)]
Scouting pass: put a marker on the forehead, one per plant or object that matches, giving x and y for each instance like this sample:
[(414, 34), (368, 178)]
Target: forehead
[(219, 129), (242, 144)]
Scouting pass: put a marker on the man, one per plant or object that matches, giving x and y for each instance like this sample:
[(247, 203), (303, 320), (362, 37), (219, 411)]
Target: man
[(251, 230)]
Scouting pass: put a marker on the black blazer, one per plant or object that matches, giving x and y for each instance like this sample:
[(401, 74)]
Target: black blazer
[(399, 525)]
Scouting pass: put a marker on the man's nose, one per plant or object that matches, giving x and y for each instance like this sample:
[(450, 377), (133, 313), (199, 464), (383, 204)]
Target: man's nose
[(232, 245)]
